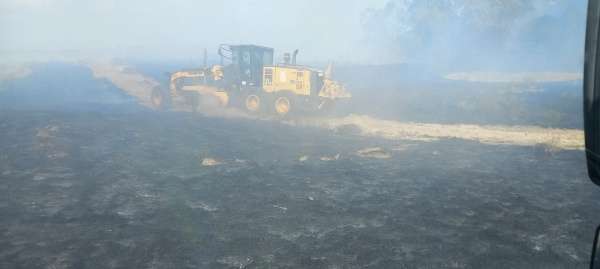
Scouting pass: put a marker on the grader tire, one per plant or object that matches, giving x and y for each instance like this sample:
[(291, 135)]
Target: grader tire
[(252, 103), (283, 106)]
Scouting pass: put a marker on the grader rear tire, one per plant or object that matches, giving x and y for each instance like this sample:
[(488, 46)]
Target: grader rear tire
[(252, 103), (283, 106)]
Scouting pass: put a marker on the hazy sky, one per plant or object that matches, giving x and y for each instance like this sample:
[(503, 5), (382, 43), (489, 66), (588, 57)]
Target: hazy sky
[(173, 29), (529, 34)]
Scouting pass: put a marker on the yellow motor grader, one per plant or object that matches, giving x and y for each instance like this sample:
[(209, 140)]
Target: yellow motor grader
[(250, 80)]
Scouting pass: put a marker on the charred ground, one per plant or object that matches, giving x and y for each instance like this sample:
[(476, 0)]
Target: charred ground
[(126, 188)]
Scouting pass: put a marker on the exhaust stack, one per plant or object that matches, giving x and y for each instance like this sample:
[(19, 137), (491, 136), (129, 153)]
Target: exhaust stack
[(294, 57)]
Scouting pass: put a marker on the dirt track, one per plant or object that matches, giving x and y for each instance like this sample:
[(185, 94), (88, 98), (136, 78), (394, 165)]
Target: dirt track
[(140, 87), (489, 134), (127, 79)]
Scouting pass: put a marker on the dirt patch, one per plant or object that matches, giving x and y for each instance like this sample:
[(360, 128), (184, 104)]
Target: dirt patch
[(525, 77), (375, 152), (330, 158), (210, 162), (14, 71)]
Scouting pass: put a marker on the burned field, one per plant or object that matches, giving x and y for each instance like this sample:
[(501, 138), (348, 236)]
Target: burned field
[(90, 179), (131, 190), (312, 134)]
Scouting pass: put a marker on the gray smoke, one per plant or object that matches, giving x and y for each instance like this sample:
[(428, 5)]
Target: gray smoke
[(494, 34)]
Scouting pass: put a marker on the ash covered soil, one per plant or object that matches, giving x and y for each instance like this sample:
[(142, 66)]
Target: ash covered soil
[(129, 190), (88, 179)]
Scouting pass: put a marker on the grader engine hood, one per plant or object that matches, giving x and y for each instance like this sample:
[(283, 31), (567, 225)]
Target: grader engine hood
[(175, 77)]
